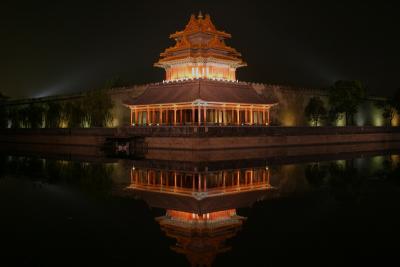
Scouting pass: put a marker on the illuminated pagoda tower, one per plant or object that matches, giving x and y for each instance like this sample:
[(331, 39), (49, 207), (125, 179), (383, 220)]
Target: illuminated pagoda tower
[(200, 87), (200, 52)]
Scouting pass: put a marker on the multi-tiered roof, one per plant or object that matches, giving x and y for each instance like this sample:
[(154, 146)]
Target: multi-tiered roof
[(200, 51)]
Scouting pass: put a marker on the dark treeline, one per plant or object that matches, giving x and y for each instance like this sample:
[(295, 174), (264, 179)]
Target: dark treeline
[(93, 109), (344, 99), (95, 177), (345, 181)]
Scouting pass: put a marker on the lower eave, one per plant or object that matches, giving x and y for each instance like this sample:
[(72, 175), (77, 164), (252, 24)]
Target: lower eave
[(200, 103)]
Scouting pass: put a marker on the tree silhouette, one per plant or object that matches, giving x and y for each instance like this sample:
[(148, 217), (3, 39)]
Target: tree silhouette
[(74, 113), (396, 101), (15, 116), (388, 109), (33, 115), (53, 114), (345, 97), (3, 111), (98, 105), (315, 110)]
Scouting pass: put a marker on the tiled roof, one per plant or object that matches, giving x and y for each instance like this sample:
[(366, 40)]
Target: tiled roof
[(206, 90)]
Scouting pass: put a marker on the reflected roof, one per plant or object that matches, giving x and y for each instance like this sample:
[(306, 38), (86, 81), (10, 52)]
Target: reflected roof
[(205, 205)]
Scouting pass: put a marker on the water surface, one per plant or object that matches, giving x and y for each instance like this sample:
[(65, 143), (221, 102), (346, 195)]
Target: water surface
[(64, 210)]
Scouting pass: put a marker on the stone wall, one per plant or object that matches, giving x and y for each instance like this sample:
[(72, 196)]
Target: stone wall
[(293, 100), (206, 138), (289, 112), (120, 112)]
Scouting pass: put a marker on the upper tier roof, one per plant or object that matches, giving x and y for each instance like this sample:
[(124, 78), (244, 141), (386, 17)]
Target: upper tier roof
[(200, 89), (200, 24), (200, 39)]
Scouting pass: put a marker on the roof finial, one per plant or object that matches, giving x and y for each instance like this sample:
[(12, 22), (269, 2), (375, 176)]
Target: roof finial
[(200, 16)]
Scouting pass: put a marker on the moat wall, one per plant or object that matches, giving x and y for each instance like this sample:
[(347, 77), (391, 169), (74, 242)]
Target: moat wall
[(205, 138)]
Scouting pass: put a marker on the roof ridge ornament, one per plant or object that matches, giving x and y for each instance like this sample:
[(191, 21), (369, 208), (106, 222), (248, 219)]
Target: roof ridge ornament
[(200, 51)]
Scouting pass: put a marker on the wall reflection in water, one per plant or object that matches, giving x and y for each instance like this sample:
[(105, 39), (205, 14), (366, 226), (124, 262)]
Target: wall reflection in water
[(202, 201), (201, 205), (198, 184)]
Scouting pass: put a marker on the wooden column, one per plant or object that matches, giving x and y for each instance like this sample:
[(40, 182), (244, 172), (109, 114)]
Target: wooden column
[(238, 116), (268, 116), (149, 116), (174, 179), (160, 116), (245, 116), (224, 116), (251, 115), (205, 115), (131, 117), (199, 115), (174, 116), (233, 116), (136, 117), (193, 117), (199, 183), (180, 114), (264, 117)]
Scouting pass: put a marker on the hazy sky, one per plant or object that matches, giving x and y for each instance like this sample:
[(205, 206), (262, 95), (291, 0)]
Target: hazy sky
[(70, 46)]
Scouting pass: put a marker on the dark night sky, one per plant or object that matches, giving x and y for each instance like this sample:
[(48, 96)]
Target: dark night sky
[(61, 47)]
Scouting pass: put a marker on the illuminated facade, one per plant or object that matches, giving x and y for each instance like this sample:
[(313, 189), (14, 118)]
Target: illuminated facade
[(200, 52), (200, 87)]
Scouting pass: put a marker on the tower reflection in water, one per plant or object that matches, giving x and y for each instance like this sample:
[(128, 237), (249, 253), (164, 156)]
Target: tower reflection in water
[(201, 204)]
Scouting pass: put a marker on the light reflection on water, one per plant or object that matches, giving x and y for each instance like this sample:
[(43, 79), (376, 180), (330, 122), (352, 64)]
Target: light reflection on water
[(201, 209)]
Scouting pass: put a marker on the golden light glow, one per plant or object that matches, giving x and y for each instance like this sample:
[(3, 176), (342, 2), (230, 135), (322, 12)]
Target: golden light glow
[(207, 217), (200, 52), (396, 120), (288, 119)]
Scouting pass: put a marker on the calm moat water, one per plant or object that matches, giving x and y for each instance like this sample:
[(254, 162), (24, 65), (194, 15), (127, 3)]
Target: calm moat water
[(61, 209)]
